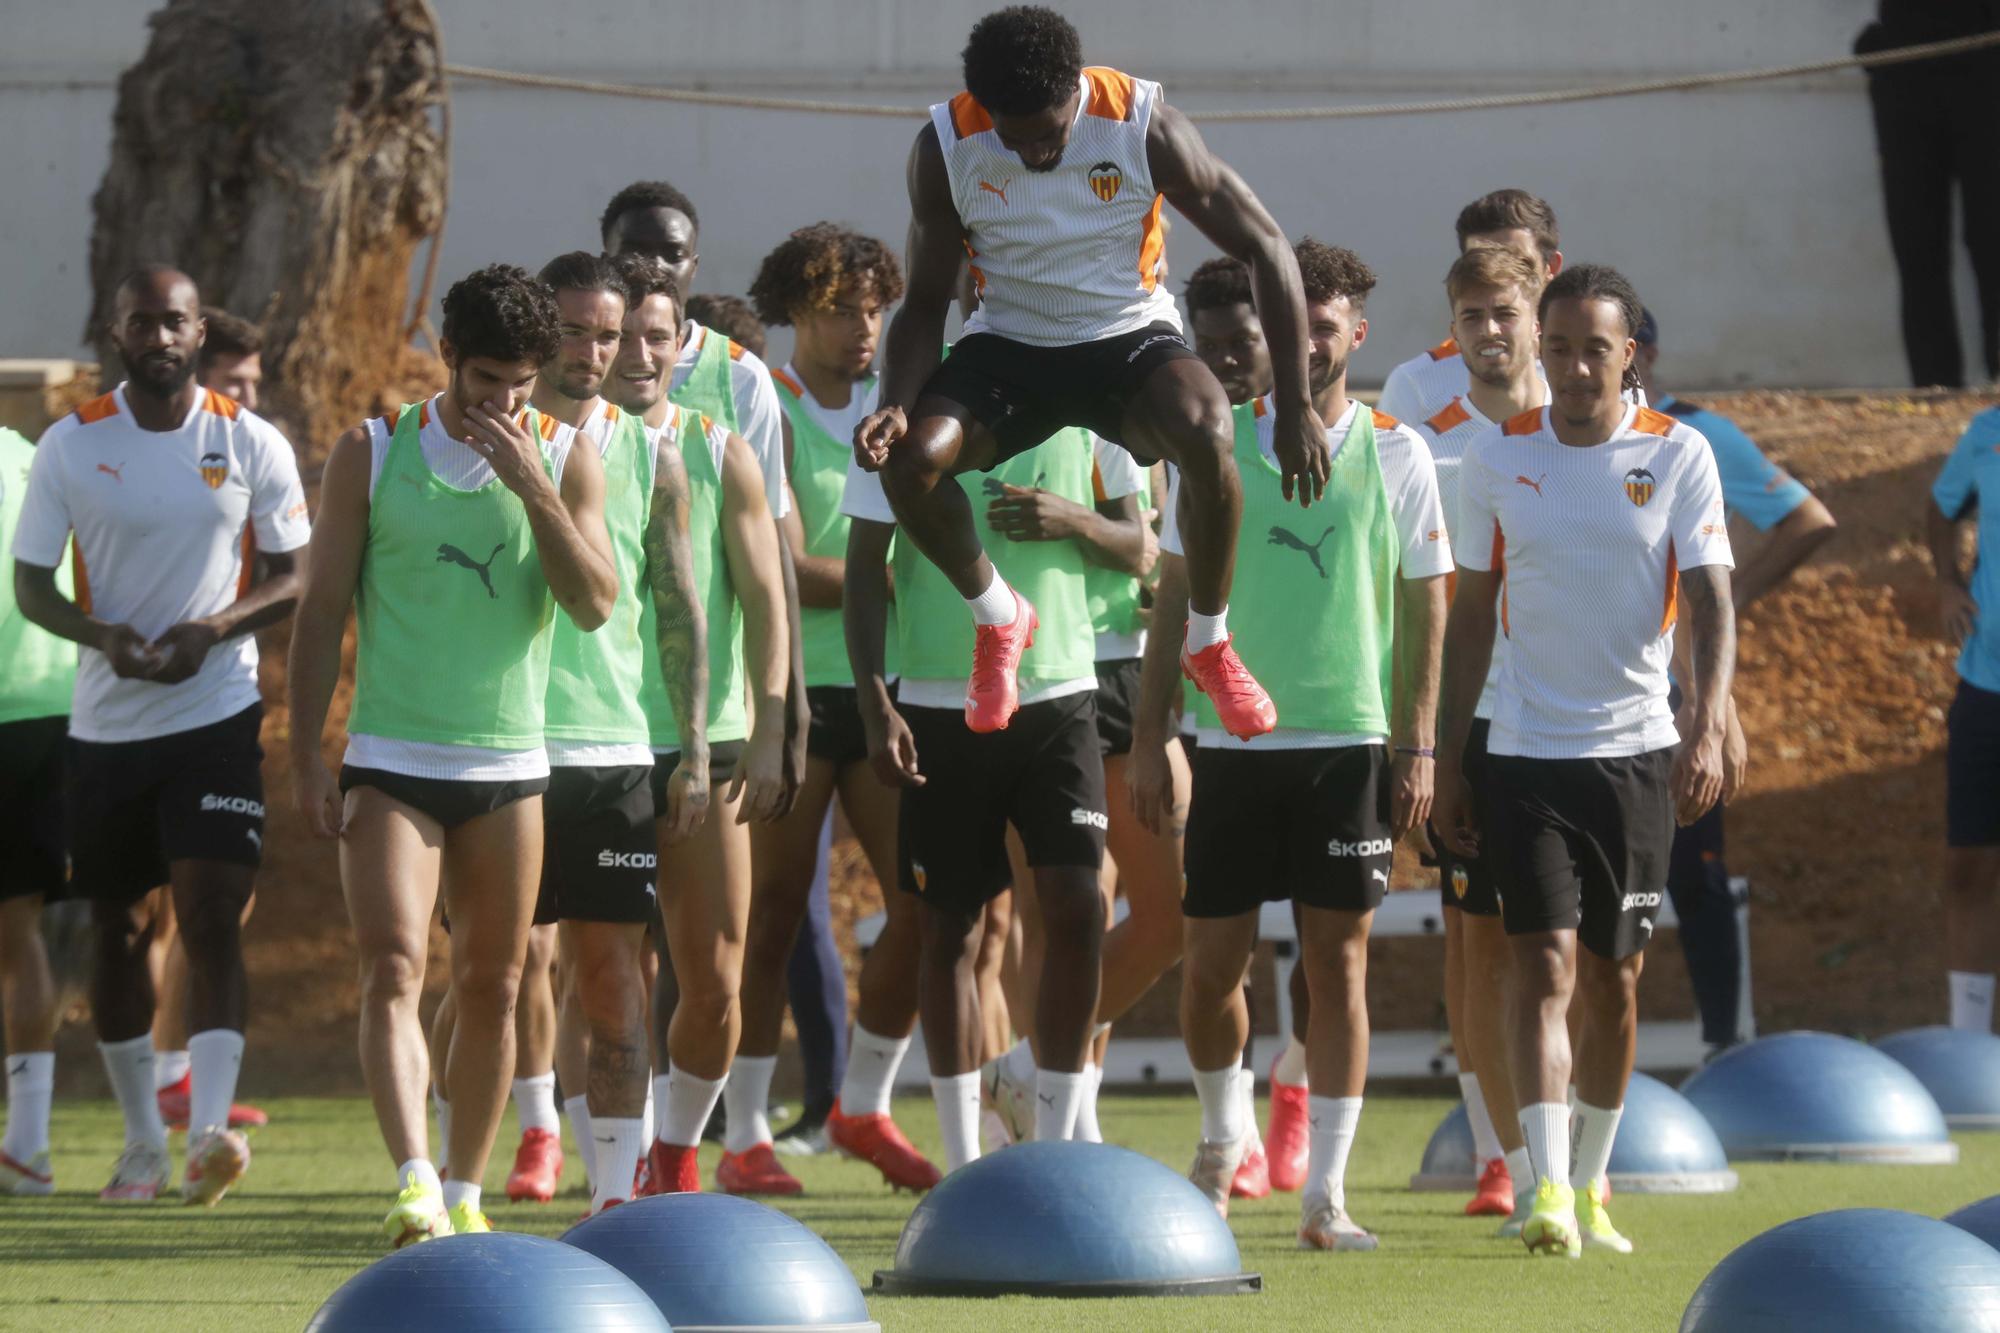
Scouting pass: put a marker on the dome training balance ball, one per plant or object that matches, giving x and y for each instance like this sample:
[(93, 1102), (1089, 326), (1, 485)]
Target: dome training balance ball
[(1066, 1219), (1812, 1096), (501, 1282), (1663, 1147), (1982, 1219), (1858, 1270), (1961, 1069), (712, 1262)]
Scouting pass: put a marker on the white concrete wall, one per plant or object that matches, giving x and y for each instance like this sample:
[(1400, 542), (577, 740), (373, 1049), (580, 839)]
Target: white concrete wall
[(1751, 220)]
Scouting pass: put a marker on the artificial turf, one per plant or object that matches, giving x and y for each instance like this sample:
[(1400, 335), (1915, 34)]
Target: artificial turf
[(305, 1218)]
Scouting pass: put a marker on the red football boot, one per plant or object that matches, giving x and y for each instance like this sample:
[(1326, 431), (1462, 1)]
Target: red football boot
[(538, 1165), (1495, 1196), (1253, 1176), (992, 695), (874, 1139), (755, 1171), (670, 1169), (1239, 701), (1288, 1138), (174, 1100)]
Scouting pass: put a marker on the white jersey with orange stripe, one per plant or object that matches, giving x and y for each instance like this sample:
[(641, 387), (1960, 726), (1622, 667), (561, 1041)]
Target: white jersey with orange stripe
[(1591, 542), (1424, 385), (164, 525), (1069, 255)]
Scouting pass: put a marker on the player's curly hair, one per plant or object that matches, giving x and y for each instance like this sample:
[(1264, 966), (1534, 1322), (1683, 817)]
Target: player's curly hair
[(1217, 283), (730, 316), (807, 271), (1511, 210), (582, 271), (503, 313), (1332, 271), (1022, 59), (645, 194), (1598, 282), (648, 275)]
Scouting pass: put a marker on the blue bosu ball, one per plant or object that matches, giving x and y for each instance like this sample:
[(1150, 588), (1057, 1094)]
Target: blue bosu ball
[(1812, 1096), (499, 1282), (1960, 1069)]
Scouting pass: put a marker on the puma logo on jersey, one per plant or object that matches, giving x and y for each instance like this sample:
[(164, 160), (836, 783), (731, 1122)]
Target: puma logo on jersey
[(116, 474), (451, 555), (233, 805), (626, 860), (1535, 486), (1286, 537), (1000, 189)]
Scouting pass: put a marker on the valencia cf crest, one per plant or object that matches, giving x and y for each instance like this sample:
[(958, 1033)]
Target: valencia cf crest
[(1639, 486), (1460, 882), (1105, 178), (214, 470)]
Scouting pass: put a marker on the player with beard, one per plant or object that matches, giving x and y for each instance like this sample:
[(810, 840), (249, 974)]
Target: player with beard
[(1607, 518), (456, 528), (705, 871), (1051, 176), (1354, 607), (831, 285), (157, 481)]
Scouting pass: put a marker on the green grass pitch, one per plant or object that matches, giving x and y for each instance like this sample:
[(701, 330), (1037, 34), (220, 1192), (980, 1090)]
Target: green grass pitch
[(305, 1219)]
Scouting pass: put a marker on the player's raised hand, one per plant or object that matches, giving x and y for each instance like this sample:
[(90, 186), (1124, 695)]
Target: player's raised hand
[(878, 431), (1299, 439), (514, 452)]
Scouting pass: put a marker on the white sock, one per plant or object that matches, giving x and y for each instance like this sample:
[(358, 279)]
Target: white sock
[(1546, 1127), (1522, 1168), (421, 1168), (535, 1101), (443, 1109), (957, 1101), (1086, 1130), (458, 1192), (1334, 1120), (872, 1063), (1204, 631), (1596, 1127), (216, 1058), (1246, 1087), (1222, 1118), (1056, 1098), (578, 1111), (1291, 1066), (616, 1143), (1971, 1001), (746, 1101), (1485, 1140), (996, 605), (647, 1118), (130, 1065), (690, 1102), (169, 1067), (658, 1097), (31, 1086)]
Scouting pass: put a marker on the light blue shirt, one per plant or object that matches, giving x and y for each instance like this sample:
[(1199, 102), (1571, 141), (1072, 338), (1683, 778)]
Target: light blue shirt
[(1752, 485), (1972, 470)]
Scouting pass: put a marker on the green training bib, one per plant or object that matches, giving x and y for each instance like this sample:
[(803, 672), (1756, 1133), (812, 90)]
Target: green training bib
[(594, 678), (707, 391), (40, 670)]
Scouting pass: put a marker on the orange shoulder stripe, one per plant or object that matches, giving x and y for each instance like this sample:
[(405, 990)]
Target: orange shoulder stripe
[(610, 413), (389, 420), (97, 409), (1111, 93), (549, 426), (1383, 421), (1444, 351), (798, 390), (1523, 423), (968, 117), (1258, 408), (220, 403), (1648, 422), (735, 350), (1453, 415)]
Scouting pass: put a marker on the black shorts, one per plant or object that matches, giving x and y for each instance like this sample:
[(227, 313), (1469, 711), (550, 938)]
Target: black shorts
[(31, 807), (836, 735), (722, 759), (1024, 393), (599, 857), (1466, 882), (1581, 844), (135, 806), (1042, 774), (1972, 769), (1117, 705), (1311, 826), (450, 801)]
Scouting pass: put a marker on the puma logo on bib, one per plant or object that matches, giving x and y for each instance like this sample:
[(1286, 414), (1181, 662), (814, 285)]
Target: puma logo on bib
[(451, 555)]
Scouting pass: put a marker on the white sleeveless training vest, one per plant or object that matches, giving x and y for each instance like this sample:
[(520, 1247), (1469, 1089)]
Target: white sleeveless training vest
[(1071, 255)]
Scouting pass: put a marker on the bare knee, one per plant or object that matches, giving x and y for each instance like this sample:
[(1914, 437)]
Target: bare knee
[(1211, 972), (1541, 967), (613, 998), (1609, 986), (486, 988), (391, 976), (915, 465)]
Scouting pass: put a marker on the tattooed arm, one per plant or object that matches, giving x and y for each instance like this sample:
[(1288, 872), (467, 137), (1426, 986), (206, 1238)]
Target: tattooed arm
[(1711, 619), (681, 638)]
